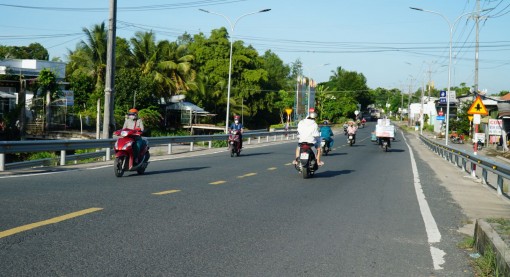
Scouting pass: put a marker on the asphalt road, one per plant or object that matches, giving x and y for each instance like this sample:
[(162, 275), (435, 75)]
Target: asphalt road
[(253, 215)]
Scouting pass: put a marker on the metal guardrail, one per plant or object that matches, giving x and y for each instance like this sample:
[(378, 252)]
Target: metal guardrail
[(10, 147), (493, 173)]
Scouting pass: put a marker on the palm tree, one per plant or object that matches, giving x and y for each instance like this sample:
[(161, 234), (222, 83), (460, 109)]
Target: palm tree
[(90, 55), (145, 51), (174, 71)]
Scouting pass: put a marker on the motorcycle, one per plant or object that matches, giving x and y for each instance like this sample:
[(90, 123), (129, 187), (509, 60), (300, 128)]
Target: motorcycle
[(307, 164), (479, 144), (345, 131), (325, 146), (124, 157), (234, 143), (456, 139), (384, 142), (350, 139)]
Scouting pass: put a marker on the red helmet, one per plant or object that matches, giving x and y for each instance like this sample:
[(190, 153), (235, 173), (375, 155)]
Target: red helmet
[(236, 117)]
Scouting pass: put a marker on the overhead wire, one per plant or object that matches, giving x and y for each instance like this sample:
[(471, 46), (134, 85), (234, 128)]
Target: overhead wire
[(130, 9)]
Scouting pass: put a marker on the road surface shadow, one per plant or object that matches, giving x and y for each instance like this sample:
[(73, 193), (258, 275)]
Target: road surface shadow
[(149, 172), (334, 154), (256, 154), (331, 173)]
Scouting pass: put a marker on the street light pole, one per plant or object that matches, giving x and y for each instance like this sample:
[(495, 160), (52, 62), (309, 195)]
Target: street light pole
[(449, 62), (232, 26)]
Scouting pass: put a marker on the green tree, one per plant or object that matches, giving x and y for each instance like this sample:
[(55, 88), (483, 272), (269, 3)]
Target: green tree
[(90, 57), (32, 51), (351, 89), (175, 73)]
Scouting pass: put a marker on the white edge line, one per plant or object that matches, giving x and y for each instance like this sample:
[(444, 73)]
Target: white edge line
[(433, 234)]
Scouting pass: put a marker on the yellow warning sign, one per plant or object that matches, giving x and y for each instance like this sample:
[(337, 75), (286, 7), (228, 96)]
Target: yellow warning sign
[(478, 107)]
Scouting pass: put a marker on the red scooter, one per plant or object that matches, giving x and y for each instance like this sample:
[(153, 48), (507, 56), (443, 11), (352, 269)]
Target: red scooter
[(124, 158), (234, 143)]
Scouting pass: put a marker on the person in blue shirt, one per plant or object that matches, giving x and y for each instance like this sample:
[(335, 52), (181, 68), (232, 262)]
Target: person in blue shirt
[(237, 126), (327, 134)]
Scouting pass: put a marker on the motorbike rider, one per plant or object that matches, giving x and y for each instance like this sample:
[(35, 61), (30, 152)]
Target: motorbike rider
[(351, 130), (363, 121), (346, 125), (237, 126), (133, 122), (308, 132), (326, 134)]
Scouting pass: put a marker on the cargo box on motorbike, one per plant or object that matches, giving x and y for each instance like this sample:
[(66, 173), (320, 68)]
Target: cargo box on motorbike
[(385, 131)]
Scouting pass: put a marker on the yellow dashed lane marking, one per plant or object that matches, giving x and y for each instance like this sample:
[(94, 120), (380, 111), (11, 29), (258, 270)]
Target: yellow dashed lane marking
[(54, 220), (166, 192), (272, 168), (247, 175), (217, 182)]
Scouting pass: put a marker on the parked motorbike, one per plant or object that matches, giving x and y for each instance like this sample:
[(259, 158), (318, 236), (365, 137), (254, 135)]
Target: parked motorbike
[(124, 157), (234, 143), (384, 142), (456, 139), (479, 144), (350, 139), (307, 164), (325, 146)]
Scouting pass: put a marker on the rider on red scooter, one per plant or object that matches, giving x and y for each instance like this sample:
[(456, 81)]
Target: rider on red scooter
[(237, 126), (133, 122)]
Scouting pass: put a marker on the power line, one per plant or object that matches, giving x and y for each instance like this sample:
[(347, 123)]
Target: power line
[(130, 9)]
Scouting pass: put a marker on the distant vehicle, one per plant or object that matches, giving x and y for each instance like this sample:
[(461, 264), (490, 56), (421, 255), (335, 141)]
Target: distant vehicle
[(375, 114)]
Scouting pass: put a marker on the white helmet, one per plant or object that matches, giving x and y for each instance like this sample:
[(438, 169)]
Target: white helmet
[(312, 115)]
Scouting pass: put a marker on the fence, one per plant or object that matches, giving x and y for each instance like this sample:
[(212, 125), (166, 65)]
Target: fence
[(492, 173), (10, 147)]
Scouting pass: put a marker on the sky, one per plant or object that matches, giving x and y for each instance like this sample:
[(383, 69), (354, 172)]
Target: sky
[(392, 45)]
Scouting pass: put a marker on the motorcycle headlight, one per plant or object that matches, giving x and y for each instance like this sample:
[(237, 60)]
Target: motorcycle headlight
[(124, 133)]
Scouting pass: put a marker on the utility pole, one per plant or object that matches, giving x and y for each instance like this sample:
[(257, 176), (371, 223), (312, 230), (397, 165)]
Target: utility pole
[(477, 20), (108, 120), (22, 102)]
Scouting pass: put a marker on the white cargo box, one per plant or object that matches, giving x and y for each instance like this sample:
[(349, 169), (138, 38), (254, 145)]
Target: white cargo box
[(385, 131), (383, 122)]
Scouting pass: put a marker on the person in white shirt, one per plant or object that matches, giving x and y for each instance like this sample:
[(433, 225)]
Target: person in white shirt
[(308, 132)]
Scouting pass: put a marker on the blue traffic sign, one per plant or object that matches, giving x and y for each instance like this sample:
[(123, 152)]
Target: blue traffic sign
[(442, 93), (442, 100), (440, 117)]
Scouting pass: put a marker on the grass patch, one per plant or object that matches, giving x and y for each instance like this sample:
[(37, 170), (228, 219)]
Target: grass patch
[(467, 243), (485, 266)]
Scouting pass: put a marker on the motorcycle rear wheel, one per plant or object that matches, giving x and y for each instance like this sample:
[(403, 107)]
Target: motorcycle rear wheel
[(305, 172), (118, 166)]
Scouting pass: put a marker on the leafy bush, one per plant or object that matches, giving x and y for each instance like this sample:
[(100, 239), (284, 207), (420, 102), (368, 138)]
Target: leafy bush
[(41, 155)]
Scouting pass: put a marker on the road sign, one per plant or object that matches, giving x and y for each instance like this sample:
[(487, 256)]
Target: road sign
[(440, 113), (440, 117), (442, 93), (478, 107)]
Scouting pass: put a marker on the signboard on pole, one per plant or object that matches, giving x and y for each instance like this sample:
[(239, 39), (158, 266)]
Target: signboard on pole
[(478, 107), (495, 126)]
